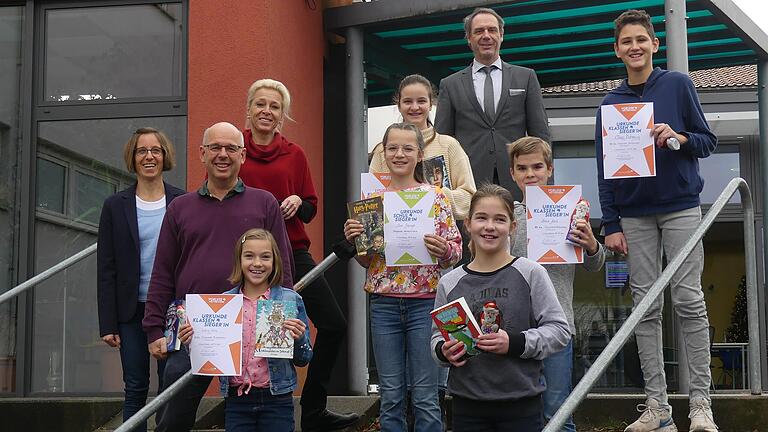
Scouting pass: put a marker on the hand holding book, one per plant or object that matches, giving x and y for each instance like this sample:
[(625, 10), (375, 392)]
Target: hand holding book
[(295, 326), (185, 333)]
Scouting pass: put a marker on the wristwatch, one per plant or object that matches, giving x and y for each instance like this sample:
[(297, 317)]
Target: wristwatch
[(673, 143)]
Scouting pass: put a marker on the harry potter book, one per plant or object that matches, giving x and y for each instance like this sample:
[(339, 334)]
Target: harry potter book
[(436, 172), (370, 213)]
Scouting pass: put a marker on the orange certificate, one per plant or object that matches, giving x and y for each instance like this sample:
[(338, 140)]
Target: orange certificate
[(548, 220), (628, 149), (371, 183), (216, 347)]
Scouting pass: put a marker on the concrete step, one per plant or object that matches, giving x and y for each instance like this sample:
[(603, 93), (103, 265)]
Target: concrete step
[(598, 413), (210, 413)]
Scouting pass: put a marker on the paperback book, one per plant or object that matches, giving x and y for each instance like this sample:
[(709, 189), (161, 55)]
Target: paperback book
[(370, 213), (455, 321), (436, 172), (175, 317), (272, 340)]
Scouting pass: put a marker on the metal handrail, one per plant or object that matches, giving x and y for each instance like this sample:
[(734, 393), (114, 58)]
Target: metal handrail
[(29, 283), (145, 412), (620, 338)]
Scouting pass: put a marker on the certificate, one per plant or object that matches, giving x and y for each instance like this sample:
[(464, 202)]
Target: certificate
[(216, 347), (408, 215), (548, 221), (628, 148), (371, 183)]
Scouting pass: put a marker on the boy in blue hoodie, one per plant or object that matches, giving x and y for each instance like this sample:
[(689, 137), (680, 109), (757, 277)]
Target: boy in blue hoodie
[(643, 216)]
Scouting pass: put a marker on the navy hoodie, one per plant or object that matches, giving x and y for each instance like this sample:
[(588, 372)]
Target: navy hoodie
[(677, 183)]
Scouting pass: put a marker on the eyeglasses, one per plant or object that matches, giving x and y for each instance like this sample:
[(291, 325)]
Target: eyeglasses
[(216, 148), (142, 151), (407, 149)]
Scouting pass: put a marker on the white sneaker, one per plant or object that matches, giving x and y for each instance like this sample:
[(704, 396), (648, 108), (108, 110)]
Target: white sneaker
[(701, 416), (653, 418)]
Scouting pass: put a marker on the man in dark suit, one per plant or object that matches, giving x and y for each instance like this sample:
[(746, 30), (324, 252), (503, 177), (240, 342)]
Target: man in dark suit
[(490, 103)]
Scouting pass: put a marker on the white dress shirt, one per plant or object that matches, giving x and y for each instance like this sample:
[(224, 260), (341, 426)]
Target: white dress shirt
[(478, 79)]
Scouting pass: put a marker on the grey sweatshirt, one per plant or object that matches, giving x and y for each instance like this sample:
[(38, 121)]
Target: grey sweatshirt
[(530, 314), (561, 274)]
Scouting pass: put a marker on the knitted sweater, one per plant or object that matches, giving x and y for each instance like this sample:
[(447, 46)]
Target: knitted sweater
[(457, 161), (560, 274), (194, 249), (281, 168)]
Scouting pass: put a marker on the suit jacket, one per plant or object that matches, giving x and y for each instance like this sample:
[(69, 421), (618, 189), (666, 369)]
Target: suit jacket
[(117, 257), (520, 112)]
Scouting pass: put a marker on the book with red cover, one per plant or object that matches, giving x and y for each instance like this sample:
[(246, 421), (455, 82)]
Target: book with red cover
[(455, 321)]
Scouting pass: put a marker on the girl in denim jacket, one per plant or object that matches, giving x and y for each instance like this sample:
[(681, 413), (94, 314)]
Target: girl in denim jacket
[(262, 397)]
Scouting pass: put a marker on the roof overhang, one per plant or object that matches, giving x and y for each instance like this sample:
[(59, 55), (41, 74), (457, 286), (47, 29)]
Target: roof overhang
[(564, 41)]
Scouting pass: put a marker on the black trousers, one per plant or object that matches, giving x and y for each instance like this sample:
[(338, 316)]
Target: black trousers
[(326, 315), (179, 414)]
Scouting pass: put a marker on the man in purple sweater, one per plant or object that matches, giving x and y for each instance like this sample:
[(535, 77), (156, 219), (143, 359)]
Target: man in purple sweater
[(194, 255)]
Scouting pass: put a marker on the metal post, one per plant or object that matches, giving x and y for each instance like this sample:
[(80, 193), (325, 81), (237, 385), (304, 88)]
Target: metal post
[(677, 35), (677, 60), (762, 108), (358, 155), (753, 314)]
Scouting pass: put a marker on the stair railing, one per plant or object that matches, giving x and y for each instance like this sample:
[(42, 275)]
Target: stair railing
[(597, 369), (29, 283), (341, 250)]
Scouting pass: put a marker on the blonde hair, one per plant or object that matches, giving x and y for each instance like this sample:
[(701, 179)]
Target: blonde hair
[(529, 145), (269, 84), (236, 277), (129, 151)]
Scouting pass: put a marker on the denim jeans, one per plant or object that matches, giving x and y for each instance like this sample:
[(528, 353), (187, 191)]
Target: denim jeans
[(401, 328), (647, 238), (557, 374), (259, 410), (135, 358)]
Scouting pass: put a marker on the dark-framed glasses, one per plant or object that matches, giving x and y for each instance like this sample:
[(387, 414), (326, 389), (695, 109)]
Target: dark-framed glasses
[(216, 148)]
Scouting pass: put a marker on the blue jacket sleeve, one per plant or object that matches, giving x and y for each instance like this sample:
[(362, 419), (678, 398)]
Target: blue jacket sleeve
[(302, 348), (605, 188), (701, 141)]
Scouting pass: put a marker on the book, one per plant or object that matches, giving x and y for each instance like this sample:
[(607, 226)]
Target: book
[(369, 212), (272, 340), (175, 317), (436, 172), (455, 321)]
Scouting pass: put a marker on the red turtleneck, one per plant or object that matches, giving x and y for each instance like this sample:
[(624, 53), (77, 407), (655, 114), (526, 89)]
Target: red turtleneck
[(281, 168)]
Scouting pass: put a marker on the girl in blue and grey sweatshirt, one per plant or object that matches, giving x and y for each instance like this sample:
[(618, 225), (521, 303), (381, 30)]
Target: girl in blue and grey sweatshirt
[(501, 387)]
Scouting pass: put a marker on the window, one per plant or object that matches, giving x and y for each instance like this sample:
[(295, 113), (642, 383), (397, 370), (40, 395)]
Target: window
[(51, 179), (114, 52)]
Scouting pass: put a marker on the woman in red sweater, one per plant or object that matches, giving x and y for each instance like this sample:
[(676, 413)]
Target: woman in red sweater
[(279, 166)]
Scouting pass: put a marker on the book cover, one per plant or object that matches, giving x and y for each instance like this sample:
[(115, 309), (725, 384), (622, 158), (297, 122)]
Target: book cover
[(455, 321), (175, 317), (436, 172), (369, 212), (272, 340)]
